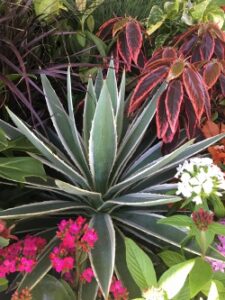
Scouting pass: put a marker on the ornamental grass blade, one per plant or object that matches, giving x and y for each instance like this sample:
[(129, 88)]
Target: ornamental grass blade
[(47, 152), (89, 111), (102, 257), (64, 125), (103, 141), (136, 132)]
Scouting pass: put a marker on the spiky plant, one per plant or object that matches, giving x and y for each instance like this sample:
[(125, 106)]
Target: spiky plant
[(107, 175)]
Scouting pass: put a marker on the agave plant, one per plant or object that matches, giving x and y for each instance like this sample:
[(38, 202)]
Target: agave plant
[(106, 174)]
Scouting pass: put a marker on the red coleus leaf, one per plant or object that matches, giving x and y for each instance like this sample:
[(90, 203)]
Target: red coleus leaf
[(207, 46), (169, 52), (211, 73), (188, 45), (145, 86), (141, 60), (105, 30), (169, 134), (119, 26), (219, 49), (196, 55), (173, 101), (215, 30), (123, 50), (161, 117), (134, 39), (196, 90), (190, 121), (222, 84)]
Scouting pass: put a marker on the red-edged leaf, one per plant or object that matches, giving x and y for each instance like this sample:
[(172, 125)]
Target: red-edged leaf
[(196, 56), (141, 60), (169, 147), (186, 34), (188, 45), (217, 31), (123, 50), (145, 86), (211, 73), (161, 117), (195, 89), (173, 101), (190, 121), (219, 49), (207, 46), (169, 52), (169, 135), (207, 103), (119, 26), (222, 84), (134, 39), (105, 30)]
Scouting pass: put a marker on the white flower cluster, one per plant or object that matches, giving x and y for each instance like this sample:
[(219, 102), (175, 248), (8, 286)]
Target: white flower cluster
[(199, 179)]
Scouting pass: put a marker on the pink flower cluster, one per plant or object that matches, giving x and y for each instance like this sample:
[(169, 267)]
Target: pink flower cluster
[(20, 256), (218, 265), (118, 290), (75, 236)]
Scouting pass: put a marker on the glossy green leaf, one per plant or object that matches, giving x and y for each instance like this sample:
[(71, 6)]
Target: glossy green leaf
[(140, 265), (50, 288), (177, 220), (3, 242), (100, 45), (217, 228), (103, 141), (20, 168), (103, 255), (199, 276), (173, 279), (171, 258)]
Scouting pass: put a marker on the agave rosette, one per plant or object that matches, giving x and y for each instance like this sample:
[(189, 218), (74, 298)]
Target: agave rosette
[(107, 175)]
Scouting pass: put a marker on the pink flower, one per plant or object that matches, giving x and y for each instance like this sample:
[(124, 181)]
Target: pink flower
[(68, 241), (118, 290), (87, 275), (26, 265), (90, 237)]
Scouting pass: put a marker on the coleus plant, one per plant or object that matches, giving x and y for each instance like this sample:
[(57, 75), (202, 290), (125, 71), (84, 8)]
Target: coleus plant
[(106, 175), (127, 34), (185, 99)]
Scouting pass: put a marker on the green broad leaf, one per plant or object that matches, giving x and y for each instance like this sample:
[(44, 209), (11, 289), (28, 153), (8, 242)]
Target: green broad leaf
[(103, 141), (121, 267), (19, 168), (135, 133), (120, 106), (100, 45), (177, 220), (50, 288), (3, 284), (89, 291), (218, 206), (3, 141), (217, 228), (184, 293), (214, 289), (65, 125), (47, 8), (200, 274), (10, 131), (3, 242), (140, 265), (102, 257), (171, 258), (30, 280), (68, 289), (198, 10), (112, 85), (57, 163), (39, 209), (155, 19), (89, 111), (174, 279), (213, 293)]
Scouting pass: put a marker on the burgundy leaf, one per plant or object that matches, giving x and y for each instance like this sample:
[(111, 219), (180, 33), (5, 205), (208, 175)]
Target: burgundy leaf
[(141, 60), (169, 147), (134, 39), (217, 31), (173, 101), (222, 84), (196, 56), (105, 30), (123, 50), (169, 135), (219, 49), (161, 117), (190, 121), (169, 52), (196, 90), (145, 86), (188, 45), (207, 47), (211, 73)]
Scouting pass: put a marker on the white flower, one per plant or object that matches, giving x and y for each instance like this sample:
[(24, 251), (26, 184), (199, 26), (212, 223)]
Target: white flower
[(199, 179)]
